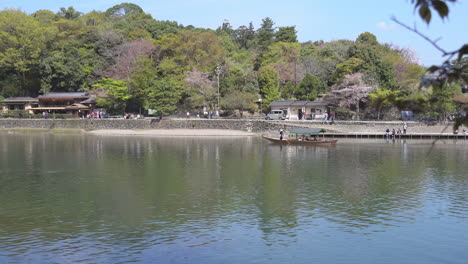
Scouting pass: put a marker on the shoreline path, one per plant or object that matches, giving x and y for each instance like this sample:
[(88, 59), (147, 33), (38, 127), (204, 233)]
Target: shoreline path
[(173, 132)]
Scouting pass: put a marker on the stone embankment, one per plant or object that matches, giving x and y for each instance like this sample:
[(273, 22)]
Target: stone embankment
[(249, 125)]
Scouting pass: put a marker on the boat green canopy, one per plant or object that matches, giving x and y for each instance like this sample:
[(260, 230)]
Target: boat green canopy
[(307, 131)]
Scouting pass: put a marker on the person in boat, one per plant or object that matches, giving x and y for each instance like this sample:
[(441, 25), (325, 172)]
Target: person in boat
[(281, 134)]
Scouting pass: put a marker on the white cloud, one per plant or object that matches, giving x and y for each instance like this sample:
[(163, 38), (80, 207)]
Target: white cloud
[(384, 26)]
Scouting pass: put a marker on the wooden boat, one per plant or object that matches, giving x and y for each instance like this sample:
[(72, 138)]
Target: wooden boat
[(304, 136), (293, 141)]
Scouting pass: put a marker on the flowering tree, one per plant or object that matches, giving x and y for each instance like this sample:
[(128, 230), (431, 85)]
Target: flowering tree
[(352, 90), (127, 57), (201, 89)]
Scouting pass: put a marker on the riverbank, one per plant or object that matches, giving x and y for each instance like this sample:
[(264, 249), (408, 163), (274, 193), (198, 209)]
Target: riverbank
[(221, 126), (173, 132)]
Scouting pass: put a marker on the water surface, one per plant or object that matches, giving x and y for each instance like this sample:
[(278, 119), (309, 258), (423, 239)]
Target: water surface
[(97, 199)]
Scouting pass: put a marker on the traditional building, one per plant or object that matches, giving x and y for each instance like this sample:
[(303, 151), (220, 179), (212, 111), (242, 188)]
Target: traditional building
[(64, 103), (297, 110), (20, 103)]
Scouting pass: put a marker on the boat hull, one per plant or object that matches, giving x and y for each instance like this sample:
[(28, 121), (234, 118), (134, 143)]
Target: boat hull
[(289, 141)]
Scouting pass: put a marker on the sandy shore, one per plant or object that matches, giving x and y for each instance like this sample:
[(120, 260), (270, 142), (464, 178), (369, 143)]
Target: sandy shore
[(172, 132)]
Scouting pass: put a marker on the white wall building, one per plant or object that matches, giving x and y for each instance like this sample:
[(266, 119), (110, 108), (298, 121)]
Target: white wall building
[(302, 110)]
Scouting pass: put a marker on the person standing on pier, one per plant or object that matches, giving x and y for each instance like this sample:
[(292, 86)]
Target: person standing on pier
[(281, 134), (405, 126)]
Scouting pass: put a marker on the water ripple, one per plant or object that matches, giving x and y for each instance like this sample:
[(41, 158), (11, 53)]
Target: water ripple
[(189, 201)]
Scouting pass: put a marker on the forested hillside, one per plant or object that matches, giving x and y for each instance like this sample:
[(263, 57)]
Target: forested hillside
[(134, 61)]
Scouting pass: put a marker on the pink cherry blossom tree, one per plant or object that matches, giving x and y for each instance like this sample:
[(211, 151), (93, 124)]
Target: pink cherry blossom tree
[(201, 89), (351, 91)]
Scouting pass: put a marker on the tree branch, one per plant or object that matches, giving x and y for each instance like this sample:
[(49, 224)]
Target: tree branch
[(444, 52)]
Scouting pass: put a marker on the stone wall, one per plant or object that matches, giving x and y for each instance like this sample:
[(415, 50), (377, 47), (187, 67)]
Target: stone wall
[(252, 125)]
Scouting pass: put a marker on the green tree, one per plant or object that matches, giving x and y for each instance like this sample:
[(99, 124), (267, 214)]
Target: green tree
[(123, 10), (164, 96), (268, 81), (240, 101), (228, 42), (188, 50), (406, 71), (441, 101), (62, 70), (288, 91), (266, 33), (239, 74), (308, 49), (21, 42), (69, 13), (350, 66), (375, 68), (328, 56), (417, 102), (226, 28), (309, 88), (93, 19), (142, 78), (281, 52), (245, 36), (44, 17), (284, 57), (367, 39), (286, 34), (117, 94), (382, 97), (160, 28)]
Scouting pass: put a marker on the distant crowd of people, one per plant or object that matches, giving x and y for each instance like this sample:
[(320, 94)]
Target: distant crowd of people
[(132, 116), (206, 114), (95, 115), (397, 132)]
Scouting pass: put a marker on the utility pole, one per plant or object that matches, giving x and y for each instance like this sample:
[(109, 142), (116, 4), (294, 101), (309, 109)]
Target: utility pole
[(261, 106), (218, 71), (295, 69)]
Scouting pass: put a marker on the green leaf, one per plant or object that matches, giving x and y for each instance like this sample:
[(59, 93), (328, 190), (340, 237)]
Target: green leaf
[(433, 68), (464, 68), (451, 78), (465, 78), (463, 51), (441, 8), (425, 13)]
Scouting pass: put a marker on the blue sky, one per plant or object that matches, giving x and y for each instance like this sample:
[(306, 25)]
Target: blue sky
[(314, 20)]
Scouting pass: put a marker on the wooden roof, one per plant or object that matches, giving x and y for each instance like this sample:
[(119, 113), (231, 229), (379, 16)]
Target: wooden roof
[(307, 131), (20, 100), (63, 96), (48, 108), (76, 107), (298, 103), (91, 100)]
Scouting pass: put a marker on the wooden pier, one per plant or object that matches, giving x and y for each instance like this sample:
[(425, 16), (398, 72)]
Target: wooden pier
[(365, 135)]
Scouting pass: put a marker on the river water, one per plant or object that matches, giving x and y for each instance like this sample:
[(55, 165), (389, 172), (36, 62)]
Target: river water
[(99, 199)]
